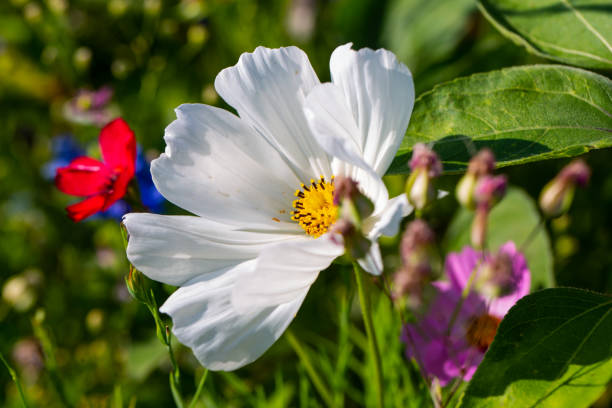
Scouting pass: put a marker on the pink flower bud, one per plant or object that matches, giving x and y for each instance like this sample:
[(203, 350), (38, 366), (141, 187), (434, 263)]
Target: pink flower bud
[(418, 259), (353, 204), (417, 235), (345, 233), (576, 172), (483, 163), (344, 188), (557, 196), (425, 165), (425, 158), (480, 165), (489, 190)]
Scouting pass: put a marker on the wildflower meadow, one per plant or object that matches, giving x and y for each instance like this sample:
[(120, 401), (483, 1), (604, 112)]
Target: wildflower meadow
[(306, 203)]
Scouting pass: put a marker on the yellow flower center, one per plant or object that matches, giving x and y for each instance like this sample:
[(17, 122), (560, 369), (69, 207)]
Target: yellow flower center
[(481, 331), (314, 209)]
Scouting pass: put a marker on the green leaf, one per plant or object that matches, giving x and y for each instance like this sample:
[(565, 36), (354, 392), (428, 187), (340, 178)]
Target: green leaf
[(504, 226), (578, 32), (422, 32), (523, 114), (553, 349)]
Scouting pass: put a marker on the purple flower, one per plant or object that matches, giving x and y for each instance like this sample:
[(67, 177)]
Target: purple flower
[(450, 340)]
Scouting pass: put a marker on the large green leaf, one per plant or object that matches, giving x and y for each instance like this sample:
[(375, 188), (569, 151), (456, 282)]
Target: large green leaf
[(513, 219), (523, 114), (578, 32), (553, 349)]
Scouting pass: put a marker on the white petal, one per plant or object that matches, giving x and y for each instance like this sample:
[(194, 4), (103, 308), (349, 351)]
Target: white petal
[(218, 167), (379, 92), (387, 222), (267, 88), (282, 272), (332, 124), (334, 128), (372, 263), (220, 337), (174, 249)]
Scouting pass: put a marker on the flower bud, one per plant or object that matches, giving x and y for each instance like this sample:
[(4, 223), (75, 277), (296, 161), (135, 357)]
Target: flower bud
[(490, 190), (355, 244), (480, 165), (137, 285), (557, 196), (418, 260), (483, 163), (425, 166), (354, 205)]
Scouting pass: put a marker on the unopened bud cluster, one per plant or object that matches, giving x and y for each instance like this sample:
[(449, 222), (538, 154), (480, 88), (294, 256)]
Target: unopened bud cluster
[(480, 190), (480, 165), (425, 166)]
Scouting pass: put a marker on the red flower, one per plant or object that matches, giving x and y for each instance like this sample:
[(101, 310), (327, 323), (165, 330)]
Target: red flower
[(102, 183)]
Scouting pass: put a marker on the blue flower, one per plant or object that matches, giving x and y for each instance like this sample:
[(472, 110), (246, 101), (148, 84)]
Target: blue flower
[(64, 149), (149, 195)]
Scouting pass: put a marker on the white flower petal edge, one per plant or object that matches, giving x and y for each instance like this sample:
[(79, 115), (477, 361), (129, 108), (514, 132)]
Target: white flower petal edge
[(175, 249), (217, 167), (222, 338), (267, 88), (284, 271), (385, 223), (379, 91)]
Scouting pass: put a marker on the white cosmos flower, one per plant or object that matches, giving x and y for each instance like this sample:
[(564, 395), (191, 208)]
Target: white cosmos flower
[(242, 263)]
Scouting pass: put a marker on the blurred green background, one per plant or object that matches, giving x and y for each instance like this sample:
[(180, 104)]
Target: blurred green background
[(62, 283)]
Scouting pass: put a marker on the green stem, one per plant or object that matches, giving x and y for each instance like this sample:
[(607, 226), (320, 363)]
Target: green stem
[(196, 396), (13, 375), (366, 310), (531, 236), (305, 360), (163, 334)]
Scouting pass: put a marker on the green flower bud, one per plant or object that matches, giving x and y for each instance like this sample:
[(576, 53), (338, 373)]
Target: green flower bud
[(425, 166), (138, 286)]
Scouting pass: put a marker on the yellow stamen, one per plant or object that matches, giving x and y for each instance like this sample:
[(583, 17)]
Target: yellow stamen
[(314, 208)]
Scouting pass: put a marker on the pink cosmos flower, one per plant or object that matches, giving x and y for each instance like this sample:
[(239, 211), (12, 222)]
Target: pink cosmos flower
[(450, 340)]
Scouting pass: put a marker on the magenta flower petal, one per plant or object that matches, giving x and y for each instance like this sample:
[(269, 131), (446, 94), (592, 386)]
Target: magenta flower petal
[(451, 337)]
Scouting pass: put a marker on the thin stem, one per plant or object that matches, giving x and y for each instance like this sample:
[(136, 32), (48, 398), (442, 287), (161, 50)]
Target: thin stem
[(531, 236), (15, 378), (163, 333), (366, 311), (196, 396), (305, 360)]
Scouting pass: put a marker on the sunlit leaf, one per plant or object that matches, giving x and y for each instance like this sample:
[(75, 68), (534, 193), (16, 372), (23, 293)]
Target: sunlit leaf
[(578, 32), (523, 114)]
